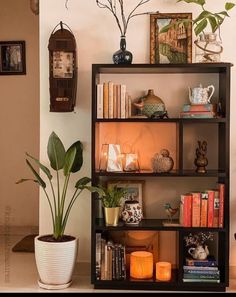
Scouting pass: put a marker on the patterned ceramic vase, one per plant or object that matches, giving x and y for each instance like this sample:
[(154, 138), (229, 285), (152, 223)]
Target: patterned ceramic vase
[(132, 213)]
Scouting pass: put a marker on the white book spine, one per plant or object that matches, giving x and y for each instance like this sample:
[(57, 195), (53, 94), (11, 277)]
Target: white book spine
[(110, 100), (100, 101), (123, 101)]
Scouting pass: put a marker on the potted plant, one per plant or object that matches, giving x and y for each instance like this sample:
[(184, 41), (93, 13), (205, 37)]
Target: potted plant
[(56, 253), (111, 201), (208, 46)]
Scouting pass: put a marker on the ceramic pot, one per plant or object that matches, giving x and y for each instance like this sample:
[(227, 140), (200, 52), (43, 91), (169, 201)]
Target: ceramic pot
[(132, 213), (55, 262), (162, 162)]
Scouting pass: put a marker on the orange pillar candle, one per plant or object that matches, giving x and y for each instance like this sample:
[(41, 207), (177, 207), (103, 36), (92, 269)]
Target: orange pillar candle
[(141, 265), (163, 271)]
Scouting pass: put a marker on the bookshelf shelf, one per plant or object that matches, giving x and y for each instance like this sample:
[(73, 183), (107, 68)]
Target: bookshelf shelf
[(181, 135), (151, 224)]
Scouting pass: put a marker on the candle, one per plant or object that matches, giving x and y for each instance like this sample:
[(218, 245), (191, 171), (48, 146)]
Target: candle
[(141, 265), (163, 271)]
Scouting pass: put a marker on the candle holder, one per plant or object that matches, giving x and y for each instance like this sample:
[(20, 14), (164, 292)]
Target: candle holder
[(111, 158), (141, 265), (163, 271), (131, 162)]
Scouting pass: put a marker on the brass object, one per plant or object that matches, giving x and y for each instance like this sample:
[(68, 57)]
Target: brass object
[(112, 216), (201, 161)]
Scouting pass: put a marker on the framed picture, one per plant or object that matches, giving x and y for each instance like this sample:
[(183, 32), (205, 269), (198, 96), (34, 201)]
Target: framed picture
[(134, 190), (12, 58), (174, 45)]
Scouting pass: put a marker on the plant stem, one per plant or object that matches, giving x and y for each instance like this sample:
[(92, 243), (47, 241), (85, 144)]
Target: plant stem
[(63, 198), (50, 205), (54, 198)]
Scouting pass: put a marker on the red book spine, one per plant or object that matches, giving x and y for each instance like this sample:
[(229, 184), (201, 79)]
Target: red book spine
[(204, 204), (211, 195), (221, 211), (196, 209), (187, 210), (216, 210)]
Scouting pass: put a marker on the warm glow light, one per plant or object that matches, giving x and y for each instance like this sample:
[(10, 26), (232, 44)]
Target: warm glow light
[(141, 265), (163, 271)]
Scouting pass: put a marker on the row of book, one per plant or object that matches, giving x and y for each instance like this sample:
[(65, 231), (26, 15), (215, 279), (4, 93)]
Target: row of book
[(110, 260), (200, 111), (113, 102), (201, 271), (203, 209)]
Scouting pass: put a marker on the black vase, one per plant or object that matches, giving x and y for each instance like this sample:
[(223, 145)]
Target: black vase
[(122, 56)]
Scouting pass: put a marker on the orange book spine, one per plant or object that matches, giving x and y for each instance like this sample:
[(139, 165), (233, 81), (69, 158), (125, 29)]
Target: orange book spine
[(105, 100), (204, 204), (114, 101), (211, 195), (221, 211), (196, 209), (118, 101)]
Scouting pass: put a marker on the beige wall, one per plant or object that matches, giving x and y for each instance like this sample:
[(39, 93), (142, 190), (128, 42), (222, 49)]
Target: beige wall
[(97, 38), (19, 117)]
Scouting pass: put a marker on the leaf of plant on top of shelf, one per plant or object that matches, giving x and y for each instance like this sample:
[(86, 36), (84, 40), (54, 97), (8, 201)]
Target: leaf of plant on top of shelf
[(201, 16), (229, 5), (200, 27), (213, 23), (200, 2)]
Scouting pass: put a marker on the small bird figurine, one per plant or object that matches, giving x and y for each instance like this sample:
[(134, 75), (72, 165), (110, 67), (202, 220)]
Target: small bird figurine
[(170, 211)]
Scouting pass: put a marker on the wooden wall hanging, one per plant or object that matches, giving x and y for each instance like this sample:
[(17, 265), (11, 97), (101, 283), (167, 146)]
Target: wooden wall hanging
[(63, 70)]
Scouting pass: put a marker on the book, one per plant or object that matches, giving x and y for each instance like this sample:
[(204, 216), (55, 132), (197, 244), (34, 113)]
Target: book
[(100, 101), (122, 101), (110, 100), (198, 280), (200, 107), (98, 256), (204, 205), (114, 101), (118, 90), (198, 114), (186, 210), (201, 272), (221, 210), (201, 276), (210, 261), (200, 268), (216, 209), (105, 100), (211, 195), (196, 209)]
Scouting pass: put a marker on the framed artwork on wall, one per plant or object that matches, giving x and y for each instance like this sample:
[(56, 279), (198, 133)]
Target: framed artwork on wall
[(12, 58), (172, 45)]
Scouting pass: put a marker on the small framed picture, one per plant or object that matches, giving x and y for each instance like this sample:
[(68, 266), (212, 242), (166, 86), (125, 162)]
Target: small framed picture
[(134, 190), (12, 58), (174, 44)]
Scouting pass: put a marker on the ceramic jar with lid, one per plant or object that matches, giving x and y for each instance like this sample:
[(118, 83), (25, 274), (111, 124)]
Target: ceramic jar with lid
[(132, 213)]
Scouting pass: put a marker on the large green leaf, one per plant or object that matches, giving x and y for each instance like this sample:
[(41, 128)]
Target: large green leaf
[(56, 152), (42, 167), (229, 5), (79, 156), (200, 2), (200, 27), (201, 16), (69, 160), (213, 23), (92, 189), (39, 179), (82, 182), (26, 180)]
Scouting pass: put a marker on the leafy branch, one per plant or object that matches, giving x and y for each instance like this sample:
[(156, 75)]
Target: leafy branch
[(117, 10)]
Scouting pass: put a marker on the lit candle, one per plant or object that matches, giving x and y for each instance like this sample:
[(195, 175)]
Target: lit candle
[(163, 271), (141, 265)]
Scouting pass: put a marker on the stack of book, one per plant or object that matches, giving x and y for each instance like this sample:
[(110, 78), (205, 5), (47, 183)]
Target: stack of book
[(113, 102), (110, 260), (203, 209), (201, 271), (201, 111)]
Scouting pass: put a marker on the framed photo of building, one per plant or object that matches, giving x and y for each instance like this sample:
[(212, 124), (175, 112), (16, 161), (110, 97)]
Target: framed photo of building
[(12, 58), (134, 190), (170, 38)]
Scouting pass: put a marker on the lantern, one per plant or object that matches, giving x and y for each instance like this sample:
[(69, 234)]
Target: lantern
[(141, 265), (131, 162), (111, 158), (63, 70), (163, 271)]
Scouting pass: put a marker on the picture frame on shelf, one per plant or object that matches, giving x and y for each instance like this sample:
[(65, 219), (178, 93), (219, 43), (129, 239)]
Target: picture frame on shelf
[(173, 46), (134, 190), (12, 58)]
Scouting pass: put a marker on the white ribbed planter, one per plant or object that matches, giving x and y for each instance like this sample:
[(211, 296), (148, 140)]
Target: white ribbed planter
[(55, 262)]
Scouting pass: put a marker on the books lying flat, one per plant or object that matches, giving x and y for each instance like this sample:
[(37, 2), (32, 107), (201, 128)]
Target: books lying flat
[(198, 280), (200, 107), (208, 262), (198, 115)]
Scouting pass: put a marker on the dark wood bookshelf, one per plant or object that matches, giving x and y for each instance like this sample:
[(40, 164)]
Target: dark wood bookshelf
[(221, 174)]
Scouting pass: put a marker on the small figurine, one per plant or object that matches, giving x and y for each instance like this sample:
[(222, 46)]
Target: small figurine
[(201, 161), (170, 211), (162, 162)]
